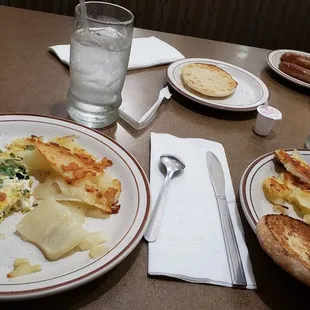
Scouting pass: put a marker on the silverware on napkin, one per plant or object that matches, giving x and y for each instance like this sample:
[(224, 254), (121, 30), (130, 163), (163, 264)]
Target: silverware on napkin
[(233, 255), (173, 166)]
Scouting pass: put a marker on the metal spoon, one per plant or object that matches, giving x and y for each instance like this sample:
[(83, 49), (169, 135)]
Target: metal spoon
[(172, 165)]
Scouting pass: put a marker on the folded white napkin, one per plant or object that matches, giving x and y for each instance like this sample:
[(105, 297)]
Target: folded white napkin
[(149, 115), (145, 52), (190, 244)]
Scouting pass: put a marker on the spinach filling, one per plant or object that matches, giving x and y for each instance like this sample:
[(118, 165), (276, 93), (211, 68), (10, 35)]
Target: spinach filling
[(13, 167)]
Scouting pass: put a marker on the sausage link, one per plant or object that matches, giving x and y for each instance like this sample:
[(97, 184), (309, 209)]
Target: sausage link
[(298, 59), (296, 71)]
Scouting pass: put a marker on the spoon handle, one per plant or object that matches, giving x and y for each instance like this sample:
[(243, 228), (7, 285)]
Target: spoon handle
[(156, 215)]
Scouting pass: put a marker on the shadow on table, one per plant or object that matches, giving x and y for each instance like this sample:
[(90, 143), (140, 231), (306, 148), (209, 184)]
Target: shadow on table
[(65, 67), (215, 113), (78, 298), (59, 109), (136, 133), (275, 287), (271, 136), (276, 78)]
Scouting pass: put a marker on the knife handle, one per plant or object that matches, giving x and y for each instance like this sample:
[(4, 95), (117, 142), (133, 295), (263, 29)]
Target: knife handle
[(232, 250)]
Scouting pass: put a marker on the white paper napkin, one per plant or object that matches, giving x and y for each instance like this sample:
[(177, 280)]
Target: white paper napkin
[(190, 244), (149, 115), (145, 52)]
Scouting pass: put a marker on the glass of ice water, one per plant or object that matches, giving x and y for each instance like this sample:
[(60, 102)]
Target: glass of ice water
[(99, 55)]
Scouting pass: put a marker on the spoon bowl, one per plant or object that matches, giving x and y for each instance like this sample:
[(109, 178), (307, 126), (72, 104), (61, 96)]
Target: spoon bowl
[(173, 165)]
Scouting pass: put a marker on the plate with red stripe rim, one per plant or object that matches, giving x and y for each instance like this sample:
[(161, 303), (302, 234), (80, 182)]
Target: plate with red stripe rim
[(252, 198), (123, 230), (273, 61), (250, 93)]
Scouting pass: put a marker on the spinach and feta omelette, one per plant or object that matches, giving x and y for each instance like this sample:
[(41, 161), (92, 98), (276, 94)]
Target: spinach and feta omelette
[(14, 185)]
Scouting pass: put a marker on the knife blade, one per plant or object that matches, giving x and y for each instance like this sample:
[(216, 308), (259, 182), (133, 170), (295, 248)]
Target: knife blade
[(233, 255)]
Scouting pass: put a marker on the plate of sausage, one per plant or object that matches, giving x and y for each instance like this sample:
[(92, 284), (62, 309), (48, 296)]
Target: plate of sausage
[(292, 65)]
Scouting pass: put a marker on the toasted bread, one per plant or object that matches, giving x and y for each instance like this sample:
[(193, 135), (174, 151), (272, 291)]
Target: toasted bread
[(287, 242), (208, 80)]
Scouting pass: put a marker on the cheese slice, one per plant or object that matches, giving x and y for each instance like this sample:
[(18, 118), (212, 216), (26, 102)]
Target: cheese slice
[(92, 239), (22, 267), (50, 189), (298, 156), (54, 228), (98, 250), (102, 193)]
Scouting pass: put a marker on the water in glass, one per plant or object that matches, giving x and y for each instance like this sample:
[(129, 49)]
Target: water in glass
[(98, 66)]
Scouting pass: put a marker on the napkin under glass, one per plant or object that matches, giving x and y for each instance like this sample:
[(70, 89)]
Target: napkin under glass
[(190, 245), (145, 52)]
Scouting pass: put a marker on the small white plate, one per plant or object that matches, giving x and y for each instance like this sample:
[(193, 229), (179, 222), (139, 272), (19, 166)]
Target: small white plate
[(252, 197), (273, 61), (123, 230), (249, 94)]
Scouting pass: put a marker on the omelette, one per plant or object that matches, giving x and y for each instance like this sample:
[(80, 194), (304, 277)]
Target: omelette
[(14, 185)]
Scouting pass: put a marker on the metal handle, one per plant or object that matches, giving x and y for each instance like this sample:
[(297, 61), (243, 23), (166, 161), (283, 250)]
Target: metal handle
[(234, 259), (156, 215)]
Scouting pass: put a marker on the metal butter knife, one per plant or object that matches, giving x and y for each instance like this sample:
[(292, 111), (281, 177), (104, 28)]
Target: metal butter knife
[(232, 250)]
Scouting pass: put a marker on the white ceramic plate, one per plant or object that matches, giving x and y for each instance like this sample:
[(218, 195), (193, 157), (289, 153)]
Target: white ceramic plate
[(123, 230), (273, 60), (252, 198), (249, 94)]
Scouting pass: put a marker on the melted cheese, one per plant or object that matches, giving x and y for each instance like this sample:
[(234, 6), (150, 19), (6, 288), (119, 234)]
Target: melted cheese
[(307, 218), (22, 267), (301, 199), (98, 250), (50, 189), (298, 156), (92, 239), (54, 228), (103, 193)]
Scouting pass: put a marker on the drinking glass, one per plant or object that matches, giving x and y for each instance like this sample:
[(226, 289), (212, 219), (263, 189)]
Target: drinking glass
[(99, 55)]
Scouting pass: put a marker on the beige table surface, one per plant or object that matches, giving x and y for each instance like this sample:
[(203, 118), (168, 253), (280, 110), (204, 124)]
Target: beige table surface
[(33, 81)]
